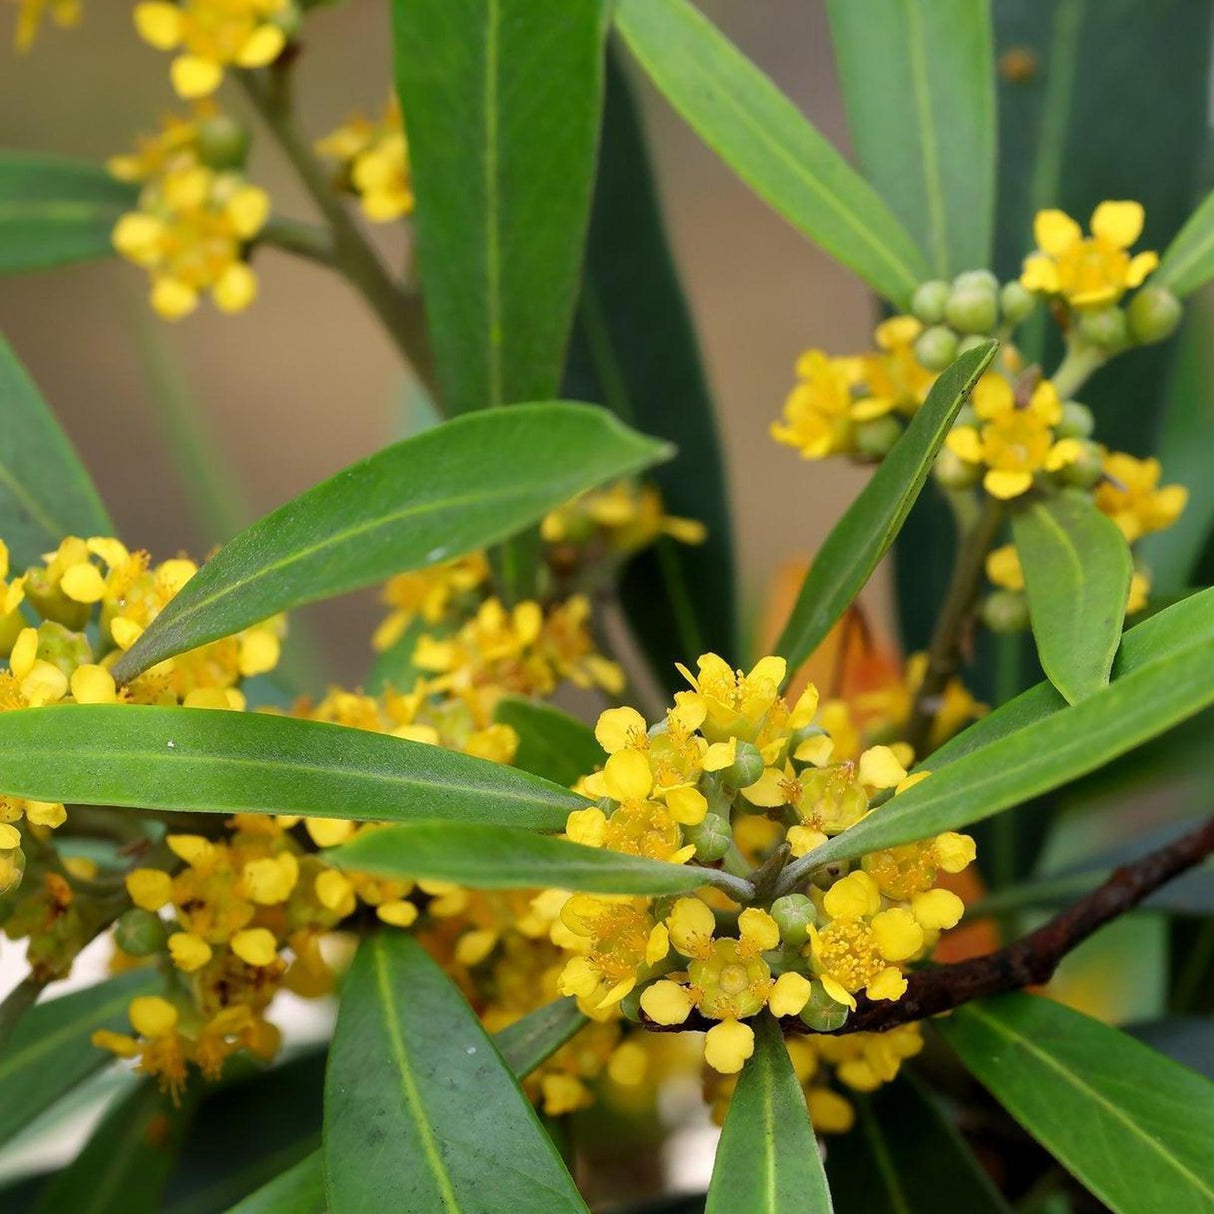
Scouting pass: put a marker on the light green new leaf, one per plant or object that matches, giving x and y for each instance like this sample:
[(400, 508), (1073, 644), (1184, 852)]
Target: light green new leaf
[(421, 1112), (551, 743), (45, 492), (502, 99), (918, 80), (51, 1050), (528, 1042), (1077, 575), (1132, 1125), (229, 762), (1189, 260), (767, 1159), (54, 211), (863, 535), (766, 140), (463, 485), (299, 1190)]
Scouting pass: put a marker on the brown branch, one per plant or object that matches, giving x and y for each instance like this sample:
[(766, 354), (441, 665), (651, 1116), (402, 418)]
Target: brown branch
[(1030, 961)]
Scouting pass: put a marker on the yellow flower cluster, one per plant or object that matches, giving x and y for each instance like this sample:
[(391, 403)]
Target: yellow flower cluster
[(624, 517), (373, 162)]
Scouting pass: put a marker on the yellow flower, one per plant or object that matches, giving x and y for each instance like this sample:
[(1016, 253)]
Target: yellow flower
[(374, 163), (626, 515), (1088, 271), (1131, 496), (427, 594), (618, 938), (736, 705), (817, 416), (894, 379)]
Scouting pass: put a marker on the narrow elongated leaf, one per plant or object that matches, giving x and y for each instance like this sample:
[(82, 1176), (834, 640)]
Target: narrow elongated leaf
[(1129, 1123), (54, 211), (918, 80), (51, 1050), (1077, 575), (45, 492), (459, 486), (863, 535), (502, 100), (767, 1159), (484, 857), (1189, 260), (299, 1190), (531, 1041), (221, 762), (762, 136), (634, 350), (421, 1112), (551, 743)]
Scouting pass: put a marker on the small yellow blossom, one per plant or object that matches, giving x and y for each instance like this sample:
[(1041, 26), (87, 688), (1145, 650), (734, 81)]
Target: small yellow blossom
[(817, 417), (374, 163), (628, 517), (1130, 494)]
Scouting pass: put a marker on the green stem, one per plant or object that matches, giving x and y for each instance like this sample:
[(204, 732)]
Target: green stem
[(307, 240), (18, 1001), (1079, 363)]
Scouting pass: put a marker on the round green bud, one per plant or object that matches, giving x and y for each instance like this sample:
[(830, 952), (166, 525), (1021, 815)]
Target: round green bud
[(289, 19), (746, 768), (1077, 421), (972, 309), (822, 1013), (1006, 611), (1153, 315), (1084, 471), (984, 280), (140, 933), (875, 438), (1104, 327), (936, 347), (711, 836), (952, 472), (1016, 302), (827, 874), (929, 301), (794, 914), (62, 647), (223, 142)]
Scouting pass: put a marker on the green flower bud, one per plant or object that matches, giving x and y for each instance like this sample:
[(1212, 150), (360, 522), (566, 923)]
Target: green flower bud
[(983, 280), (827, 874), (936, 347), (794, 913), (711, 836), (952, 472), (140, 933), (223, 143), (746, 768), (1016, 302), (929, 301), (822, 1013), (876, 437), (1086, 469), (1077, 421), (1104, 327), (1153, 315), (62, 647), (288, 20), (972, 309), (1006, 611)]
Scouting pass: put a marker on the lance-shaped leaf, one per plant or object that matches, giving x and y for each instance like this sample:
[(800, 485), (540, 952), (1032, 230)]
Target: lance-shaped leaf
[(528, 1042), (484, 857), (766, 140), (767, 1159), (502, 99), (1132, 1125), (1189, 260), (54, 211), (45, 492), (51, 1050), (863, 535), (421, 1112), (1077, 570), (551, 743), (459, 486), (299, 1190), (225, 762), (918, 80)]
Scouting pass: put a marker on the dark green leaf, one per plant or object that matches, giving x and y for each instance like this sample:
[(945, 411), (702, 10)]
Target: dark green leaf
[(51, 1050), (863, 535), (551, 743), (55, 211), (447, 491), (45, 492), (502, 100), (484, 857), (1077, 575), (918, 78), (1189, 260), (224, 762), (767, 1159), (421, 1112), (634, 350), (300, 1190), (1130, 1124), (531, 1041), (762, 136)]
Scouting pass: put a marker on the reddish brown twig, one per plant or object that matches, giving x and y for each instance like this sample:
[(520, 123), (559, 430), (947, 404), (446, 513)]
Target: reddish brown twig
[(1030, 961)]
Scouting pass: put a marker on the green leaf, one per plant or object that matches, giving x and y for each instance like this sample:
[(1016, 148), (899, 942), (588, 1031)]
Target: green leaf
[(863, 535), (483, 857), (55, 211), (225, 762), (765, 139), (634, 349), (1189, 260), (1129, 1123), (1077, 575), (45, 492), (531, 1041), (447, 491), (767, 1159), (299, 1190), (51, 1050), (905, 1156), (918, 80), (502, 99), (421, 1112), (551, 743)]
